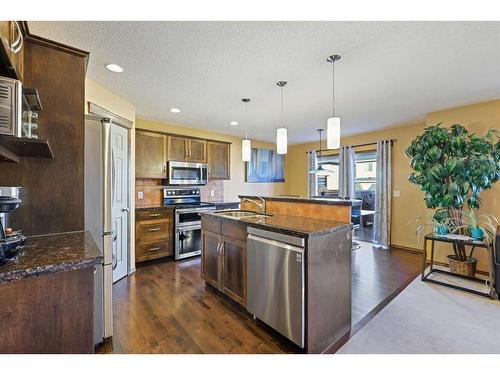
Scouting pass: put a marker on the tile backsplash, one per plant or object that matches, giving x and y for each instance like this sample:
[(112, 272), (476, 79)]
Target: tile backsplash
[(152, 194)]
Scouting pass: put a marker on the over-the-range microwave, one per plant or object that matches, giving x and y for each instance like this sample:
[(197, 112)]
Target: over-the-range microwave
[(11, 91), (184, 173)]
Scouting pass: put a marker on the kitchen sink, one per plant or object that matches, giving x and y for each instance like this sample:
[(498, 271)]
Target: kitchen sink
[(241, 214)]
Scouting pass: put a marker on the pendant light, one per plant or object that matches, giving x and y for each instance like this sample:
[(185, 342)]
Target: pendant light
[(333, 124), (281, 133), (246, 146), (320, 171)]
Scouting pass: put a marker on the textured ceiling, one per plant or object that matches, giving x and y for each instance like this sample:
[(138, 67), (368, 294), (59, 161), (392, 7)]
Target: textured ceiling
[(390, 72)]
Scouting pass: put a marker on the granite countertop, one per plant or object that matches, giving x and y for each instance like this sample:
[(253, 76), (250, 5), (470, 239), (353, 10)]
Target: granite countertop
[(52, 253), (293, 225), (152, 207), (331, 201)]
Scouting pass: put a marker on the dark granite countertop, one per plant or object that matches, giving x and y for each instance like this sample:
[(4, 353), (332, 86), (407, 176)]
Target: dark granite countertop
[(152, 207), (330, 201), (292, 225), (52, 253)]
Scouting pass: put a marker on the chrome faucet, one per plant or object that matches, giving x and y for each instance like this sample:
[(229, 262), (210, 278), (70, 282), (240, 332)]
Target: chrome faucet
[(261, 205)]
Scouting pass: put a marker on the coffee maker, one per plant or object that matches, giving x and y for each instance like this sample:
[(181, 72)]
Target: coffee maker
[(10, 241)]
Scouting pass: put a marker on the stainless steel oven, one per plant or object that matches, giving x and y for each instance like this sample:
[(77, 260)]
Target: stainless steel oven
[(182, 173), (188, 231)]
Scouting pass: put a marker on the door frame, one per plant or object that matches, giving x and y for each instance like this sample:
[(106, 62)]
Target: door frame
[(96, 112)]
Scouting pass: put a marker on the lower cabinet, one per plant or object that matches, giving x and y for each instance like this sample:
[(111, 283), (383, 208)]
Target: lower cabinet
[(224, 260), (153, 234)]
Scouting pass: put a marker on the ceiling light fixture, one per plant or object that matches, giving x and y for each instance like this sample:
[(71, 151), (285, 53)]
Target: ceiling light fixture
[(175, 110), (281, 133), (246, 146), (333, 124), (115, 68), (320, 171), (233, 123)]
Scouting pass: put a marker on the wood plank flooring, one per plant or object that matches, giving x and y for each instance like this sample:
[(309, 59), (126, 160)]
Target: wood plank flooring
[(165, 308)]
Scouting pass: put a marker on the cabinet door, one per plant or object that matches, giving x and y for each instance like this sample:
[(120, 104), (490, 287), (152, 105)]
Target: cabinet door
[(12, 43), (234, 269), (150, 155), (177, 148), (218, 158), (210, 262), (197, 151)]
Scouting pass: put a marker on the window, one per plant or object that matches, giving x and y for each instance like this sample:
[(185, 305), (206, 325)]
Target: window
[(366, 172)]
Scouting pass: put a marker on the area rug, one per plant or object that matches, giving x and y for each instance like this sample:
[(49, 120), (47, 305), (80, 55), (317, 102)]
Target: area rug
[(428, 318)]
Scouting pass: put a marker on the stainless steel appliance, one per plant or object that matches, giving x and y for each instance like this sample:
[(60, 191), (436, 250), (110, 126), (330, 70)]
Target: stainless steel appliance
[(182, 173), (11, 106), (10, 241), (100, 193), (275, 279), (187, 224)]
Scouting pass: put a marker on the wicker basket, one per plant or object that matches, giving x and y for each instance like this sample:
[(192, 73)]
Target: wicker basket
[(465, 268)]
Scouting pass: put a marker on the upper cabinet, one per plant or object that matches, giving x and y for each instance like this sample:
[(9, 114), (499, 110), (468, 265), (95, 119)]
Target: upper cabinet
[(218, 159), (186, 149), (11, 49), (150, 155)]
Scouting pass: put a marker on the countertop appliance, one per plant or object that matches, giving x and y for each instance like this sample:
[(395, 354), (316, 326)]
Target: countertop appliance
[(187, 205), (10, 243), (275, 279), (182, 173)]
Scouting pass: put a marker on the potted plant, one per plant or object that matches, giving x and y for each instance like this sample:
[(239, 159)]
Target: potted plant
[(453, 167), (440, 223), (480, 227)]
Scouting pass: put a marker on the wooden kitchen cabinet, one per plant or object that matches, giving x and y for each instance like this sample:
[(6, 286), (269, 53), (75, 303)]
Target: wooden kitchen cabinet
[(153, 234), (218, 159), (150, 155), (210, 260), (186, 149), (224, 257), (11, 49)]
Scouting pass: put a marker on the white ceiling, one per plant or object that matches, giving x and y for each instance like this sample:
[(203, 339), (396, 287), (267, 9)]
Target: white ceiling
[(390, 72)]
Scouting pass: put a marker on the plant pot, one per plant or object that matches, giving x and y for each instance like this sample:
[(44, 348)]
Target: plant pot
[(441, 230), (464, 268), (476, 233)]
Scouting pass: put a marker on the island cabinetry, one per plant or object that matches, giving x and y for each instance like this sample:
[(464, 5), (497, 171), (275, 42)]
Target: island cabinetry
[(154, 234), (224, 257)]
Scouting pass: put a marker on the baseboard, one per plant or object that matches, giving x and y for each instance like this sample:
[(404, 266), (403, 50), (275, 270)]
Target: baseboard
[(407, 249)]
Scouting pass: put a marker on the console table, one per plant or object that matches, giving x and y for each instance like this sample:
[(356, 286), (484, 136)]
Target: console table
[(432, 237)]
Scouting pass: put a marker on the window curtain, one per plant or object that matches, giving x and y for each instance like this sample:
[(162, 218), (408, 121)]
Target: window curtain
[(312, 164), (347, 172), (383, 196)]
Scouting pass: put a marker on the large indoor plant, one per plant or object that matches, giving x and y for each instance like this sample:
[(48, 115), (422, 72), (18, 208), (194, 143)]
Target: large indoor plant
[(452, 167)]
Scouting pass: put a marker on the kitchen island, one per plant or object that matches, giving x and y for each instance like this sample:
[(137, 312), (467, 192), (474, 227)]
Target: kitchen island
[(231, 259), (47, 295)]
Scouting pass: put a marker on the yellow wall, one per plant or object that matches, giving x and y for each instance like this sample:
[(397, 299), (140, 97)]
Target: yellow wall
[(236, 185), (101, 96), (477, 118)]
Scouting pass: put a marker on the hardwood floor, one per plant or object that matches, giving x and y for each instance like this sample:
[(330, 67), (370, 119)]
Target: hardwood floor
[(165, 308)]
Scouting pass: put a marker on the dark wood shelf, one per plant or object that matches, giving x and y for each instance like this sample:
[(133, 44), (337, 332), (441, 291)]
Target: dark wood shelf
[(13, 148)]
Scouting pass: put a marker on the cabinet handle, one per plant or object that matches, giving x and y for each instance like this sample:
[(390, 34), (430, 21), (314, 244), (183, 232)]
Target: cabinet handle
[(154, 248), (164, 168), (16, 45), (154, 215), (154, 229)]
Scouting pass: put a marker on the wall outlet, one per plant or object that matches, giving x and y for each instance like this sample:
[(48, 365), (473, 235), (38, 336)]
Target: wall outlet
[(396, 193), (140, 195), (212, 193)]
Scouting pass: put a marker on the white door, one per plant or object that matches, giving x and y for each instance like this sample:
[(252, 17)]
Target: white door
[(120, 199)]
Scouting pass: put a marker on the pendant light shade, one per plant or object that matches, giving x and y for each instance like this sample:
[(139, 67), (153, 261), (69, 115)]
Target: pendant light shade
[(246, 145), (281, 141), (333, 123), (320, 171), (281, 133), (333, 133), (246, 150)]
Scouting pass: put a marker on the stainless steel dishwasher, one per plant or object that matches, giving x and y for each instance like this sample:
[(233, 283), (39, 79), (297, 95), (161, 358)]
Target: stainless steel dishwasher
[(275, 281)]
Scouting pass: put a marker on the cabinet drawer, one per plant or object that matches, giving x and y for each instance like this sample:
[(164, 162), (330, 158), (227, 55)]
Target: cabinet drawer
[(161, 230), (153, 250), (154, 215)]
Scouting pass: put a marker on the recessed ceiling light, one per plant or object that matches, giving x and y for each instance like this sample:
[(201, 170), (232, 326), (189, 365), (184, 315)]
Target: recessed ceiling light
[(234, 123), (114, 68), (175, 110)]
